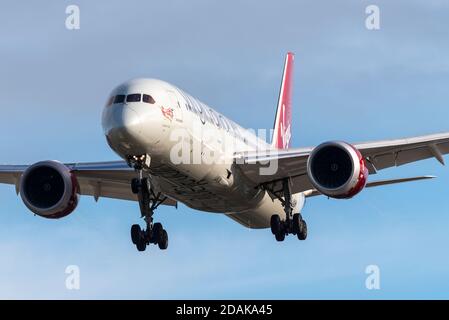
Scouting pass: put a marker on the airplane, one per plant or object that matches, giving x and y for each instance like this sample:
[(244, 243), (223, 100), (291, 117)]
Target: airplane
[(158, 131)]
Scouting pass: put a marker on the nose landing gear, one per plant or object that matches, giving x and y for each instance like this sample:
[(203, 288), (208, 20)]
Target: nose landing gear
[(149, 201)]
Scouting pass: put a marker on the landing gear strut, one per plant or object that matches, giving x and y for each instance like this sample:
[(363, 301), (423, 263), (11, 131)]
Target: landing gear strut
[(149, 201), (293, 224)]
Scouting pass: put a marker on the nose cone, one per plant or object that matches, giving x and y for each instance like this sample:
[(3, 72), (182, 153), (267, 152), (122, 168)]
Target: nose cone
[(123, 128), (127, 119)]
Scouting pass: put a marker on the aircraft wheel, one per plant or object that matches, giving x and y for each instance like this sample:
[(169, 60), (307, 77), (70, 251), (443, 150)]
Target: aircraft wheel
[(276, 224), (302, 235), (136, 233), (157, 233), (297, 223), (280, 236), (141, 245), (163, 240)]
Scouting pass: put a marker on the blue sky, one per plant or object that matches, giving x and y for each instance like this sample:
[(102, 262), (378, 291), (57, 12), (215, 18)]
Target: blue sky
[(351, 84)]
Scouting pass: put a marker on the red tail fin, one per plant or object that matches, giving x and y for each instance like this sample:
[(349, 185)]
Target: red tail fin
[(282, 124)]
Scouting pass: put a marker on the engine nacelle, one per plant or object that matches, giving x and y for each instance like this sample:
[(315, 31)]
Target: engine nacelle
[(49, 189), (337, 169)]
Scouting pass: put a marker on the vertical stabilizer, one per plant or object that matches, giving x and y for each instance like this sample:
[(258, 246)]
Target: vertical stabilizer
[(282, 125)]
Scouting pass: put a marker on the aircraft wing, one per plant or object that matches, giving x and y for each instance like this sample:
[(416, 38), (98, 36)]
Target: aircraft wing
[(292, 163), (99, 179), (313, 193)]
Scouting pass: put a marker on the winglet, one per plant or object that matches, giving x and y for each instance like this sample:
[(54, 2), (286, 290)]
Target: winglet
[(283, 121)]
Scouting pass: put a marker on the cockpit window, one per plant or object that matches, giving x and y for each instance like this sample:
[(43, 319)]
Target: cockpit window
[(148, 99), (135, 97), (120, 98)]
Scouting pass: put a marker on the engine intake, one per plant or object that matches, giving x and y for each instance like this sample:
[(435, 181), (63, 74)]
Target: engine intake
[(49, 189), (337, 169)]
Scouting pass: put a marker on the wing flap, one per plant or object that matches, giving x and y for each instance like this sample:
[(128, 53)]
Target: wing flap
[(99, 188)]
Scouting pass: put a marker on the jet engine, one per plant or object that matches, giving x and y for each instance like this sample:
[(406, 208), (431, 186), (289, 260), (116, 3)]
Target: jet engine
[(337, 170), (49, 189)]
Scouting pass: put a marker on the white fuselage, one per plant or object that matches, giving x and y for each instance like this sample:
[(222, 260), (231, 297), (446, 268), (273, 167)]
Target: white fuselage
[(191, 147)]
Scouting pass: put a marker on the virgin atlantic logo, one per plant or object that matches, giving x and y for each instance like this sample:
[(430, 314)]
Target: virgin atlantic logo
[(167, 113), (285, 131)]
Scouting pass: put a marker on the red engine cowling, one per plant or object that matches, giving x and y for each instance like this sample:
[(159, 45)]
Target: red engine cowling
[(49, 189), (337, 169)]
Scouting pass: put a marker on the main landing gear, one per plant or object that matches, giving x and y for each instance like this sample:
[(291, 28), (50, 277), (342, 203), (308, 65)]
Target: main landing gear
[(293, 224), (148, 203)]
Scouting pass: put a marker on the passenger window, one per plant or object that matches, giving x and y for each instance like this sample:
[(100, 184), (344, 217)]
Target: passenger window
[(120, 98), (135, 97), (148, 99)]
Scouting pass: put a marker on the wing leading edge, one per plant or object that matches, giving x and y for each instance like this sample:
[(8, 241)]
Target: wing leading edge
[(379, 155), (112, 179)]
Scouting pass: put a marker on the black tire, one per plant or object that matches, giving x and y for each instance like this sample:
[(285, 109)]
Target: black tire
[(157, 233), (296, 223), (303, 234), (163, 241), (135, 185), (136, 233), (141, 244), (276, 224), (280, 236)]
